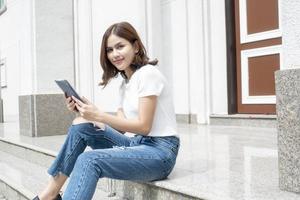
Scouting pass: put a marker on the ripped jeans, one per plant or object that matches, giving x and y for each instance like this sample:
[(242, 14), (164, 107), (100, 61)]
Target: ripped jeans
[(114, 155)]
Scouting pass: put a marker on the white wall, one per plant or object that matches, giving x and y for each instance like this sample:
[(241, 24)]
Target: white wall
[(154, 30), (37, 41), (194, 50), (175, 52), (83, 47), (102, 15), (54, 43), (290, 34), (199, 76), (217, 38), (187, 36), (15, 45), (162, 27)]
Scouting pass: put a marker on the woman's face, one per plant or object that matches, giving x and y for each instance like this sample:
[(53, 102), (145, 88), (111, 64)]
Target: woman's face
[(120, 52)]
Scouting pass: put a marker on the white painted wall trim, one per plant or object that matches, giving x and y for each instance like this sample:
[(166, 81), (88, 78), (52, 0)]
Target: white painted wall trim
[(83, 48), (34, 56), (188, 60), (76, 41), (199, 59), (33, 47), (215, 57), (245, 37), (204, 104), (245, 55), (153, 28)]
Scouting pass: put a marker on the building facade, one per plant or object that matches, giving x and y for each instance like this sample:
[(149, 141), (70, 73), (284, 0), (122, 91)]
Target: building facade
[(201, 45)]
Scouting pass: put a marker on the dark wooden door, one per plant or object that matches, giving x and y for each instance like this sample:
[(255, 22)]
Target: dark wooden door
[(258, 50)]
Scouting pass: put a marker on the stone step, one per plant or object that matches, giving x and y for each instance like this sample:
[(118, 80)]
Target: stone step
[(38, 160), (2, 197), (247, 120), (11, 190), (22, 180)]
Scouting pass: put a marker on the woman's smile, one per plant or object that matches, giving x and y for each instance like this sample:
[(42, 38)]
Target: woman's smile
[(118, 61)]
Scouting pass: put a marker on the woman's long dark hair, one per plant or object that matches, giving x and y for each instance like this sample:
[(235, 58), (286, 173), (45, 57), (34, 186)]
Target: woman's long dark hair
[(126, 31)]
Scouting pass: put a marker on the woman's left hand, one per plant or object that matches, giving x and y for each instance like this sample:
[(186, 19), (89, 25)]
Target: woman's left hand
[(87, 109)]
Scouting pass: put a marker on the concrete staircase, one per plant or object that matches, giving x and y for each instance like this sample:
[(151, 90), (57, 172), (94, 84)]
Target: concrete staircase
[(23, 174), (214, 163)]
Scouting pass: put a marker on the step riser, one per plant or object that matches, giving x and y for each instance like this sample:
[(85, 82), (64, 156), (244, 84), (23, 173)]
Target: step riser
[(142, 191), (128, 190), (264, 123), (124, 189), (10, 192), (30, 155)]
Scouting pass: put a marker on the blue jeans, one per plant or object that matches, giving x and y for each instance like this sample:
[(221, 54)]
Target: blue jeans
[(114, 155)]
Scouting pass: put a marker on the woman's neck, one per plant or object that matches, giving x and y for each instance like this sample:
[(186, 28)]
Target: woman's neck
[(129, 72)]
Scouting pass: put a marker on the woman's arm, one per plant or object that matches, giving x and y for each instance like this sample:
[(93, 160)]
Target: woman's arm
[(120, 113), (141, 125)]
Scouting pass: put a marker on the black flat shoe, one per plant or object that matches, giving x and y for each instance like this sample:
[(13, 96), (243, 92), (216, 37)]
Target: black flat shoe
[(58, 197)]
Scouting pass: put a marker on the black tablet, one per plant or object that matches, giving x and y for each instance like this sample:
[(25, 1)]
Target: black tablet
[(67, 88)]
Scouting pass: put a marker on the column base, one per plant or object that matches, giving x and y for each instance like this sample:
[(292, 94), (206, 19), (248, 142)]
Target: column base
[(288, 118), (44, 115)]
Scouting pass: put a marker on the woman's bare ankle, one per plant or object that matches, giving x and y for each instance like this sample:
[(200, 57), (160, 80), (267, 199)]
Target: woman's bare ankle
[(47, 196), (53, 188)]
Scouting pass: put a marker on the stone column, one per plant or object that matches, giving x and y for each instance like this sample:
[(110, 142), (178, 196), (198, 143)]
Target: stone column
[(43, 112), (288, 117), (288, 98)]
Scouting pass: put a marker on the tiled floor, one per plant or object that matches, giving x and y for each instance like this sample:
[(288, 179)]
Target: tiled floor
[(214, 162)]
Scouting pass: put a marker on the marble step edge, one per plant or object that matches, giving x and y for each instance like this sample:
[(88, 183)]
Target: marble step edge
[(13, 191), (31, 153), (30, 147), (244, 116), (20, 183), (245, 120), (45, 157), (145, 191)]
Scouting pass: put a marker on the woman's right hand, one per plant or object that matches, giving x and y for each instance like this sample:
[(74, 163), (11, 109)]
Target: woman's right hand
[(71, 104)]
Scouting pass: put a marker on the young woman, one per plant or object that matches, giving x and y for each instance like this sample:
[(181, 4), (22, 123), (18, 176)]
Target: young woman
[(146, 109)]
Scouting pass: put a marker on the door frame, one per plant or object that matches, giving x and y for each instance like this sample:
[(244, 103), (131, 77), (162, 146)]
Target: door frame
[(231, 57)]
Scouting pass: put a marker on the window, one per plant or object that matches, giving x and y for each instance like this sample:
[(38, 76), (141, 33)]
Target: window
[(3, 6)]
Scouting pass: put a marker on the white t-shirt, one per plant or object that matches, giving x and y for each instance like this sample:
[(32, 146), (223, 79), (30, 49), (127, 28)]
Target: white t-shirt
[(147, 81)]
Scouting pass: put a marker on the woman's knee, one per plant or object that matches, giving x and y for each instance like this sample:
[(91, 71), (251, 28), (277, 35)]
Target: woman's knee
[(87, 158), (80, 120), (79, 126), (84, 157)]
